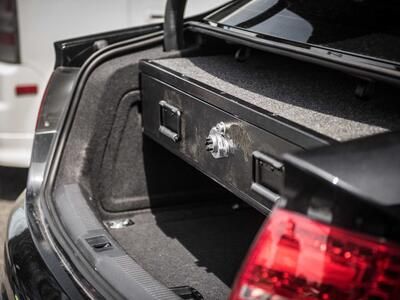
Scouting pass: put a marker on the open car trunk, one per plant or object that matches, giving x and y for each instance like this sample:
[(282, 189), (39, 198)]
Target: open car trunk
[(179, 225), (184, 229)]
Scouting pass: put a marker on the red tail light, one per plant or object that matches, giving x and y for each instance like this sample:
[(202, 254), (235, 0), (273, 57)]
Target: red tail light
[(8, 38), (29, 89), (298, 258)]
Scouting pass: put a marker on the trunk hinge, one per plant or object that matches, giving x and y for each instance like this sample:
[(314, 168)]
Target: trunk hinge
[(173, 25)]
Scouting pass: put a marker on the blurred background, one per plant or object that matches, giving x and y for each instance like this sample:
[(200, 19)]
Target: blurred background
[(28, 30)]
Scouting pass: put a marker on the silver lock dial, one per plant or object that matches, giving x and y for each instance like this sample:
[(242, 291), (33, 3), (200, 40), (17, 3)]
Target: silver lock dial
[(218, 143)]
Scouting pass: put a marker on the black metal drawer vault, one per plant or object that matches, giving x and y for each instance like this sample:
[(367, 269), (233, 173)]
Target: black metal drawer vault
[(181, 122)]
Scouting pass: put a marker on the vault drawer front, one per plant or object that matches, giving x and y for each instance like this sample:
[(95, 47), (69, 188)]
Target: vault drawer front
[(182, 123)]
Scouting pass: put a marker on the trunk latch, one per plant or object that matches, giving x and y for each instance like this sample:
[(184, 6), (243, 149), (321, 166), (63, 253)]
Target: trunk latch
[(99, 243)]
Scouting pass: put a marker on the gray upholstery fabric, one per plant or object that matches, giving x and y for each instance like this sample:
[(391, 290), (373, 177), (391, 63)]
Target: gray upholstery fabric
[(314, 97), (201, 246), (107, 154)]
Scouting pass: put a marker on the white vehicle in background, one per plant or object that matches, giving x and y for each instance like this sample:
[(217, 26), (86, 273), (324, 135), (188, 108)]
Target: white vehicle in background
[(28, 29)]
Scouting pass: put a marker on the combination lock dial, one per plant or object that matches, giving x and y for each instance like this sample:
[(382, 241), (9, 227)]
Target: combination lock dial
[(218, 143)]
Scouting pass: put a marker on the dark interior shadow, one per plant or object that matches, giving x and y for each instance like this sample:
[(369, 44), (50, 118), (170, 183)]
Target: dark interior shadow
[(216, 235)]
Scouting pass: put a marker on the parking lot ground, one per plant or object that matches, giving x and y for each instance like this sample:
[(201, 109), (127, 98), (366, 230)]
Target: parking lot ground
[(5, 208), (12, 183)]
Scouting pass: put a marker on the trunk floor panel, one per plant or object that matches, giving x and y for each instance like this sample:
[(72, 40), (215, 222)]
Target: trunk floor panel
[(201, 248), (317, 98)]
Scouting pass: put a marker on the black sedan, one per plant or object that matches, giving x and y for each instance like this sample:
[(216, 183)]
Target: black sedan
[(247, 153)]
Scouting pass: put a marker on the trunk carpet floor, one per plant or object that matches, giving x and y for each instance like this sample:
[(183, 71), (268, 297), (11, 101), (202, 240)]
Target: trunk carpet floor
[(317, 98), (198, 248)]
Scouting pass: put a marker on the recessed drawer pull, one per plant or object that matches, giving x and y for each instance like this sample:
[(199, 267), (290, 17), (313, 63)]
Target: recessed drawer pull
[(170, 121), (267, 176), (264, 192)]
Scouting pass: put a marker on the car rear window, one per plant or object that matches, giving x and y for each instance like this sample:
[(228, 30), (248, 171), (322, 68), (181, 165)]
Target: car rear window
[(365, 27)]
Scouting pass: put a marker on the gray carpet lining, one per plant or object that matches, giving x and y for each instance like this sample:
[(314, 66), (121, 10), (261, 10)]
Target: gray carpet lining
[(380, 45), (317, 98), (95, 116), (201, 247)]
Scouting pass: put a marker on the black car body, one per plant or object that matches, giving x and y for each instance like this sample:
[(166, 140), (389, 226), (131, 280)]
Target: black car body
[(160, 151)]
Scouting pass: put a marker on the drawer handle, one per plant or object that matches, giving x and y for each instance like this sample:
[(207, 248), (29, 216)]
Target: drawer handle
[(267, 172), (170, 121), (264, 192)]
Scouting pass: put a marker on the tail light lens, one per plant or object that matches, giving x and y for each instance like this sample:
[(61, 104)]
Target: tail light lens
[(8, 31), (28, 89), (298, 258)]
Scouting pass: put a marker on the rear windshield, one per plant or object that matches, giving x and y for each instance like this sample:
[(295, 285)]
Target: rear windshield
[(366, 27)]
